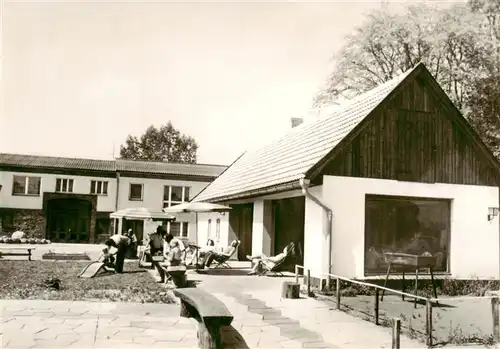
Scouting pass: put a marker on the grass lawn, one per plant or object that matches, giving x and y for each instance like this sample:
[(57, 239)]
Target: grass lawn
[(25, 280)]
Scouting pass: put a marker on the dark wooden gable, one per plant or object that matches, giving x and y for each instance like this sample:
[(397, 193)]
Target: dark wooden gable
[(416, 135)]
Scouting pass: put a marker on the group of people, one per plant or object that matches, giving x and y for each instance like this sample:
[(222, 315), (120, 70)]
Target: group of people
[(164, 249), (157, 244)]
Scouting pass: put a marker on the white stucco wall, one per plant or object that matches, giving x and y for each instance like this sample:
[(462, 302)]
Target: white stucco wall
[(81, 185), (315, 235), (474, 248), (258, 230), (203, 234), (152, 196)]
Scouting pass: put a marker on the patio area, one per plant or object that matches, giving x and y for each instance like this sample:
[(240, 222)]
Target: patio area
[(261, 320)]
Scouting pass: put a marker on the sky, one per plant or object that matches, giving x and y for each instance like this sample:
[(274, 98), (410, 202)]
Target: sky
[(79, 76)]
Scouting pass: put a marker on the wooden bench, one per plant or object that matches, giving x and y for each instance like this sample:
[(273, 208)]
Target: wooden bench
[(210, 313), (177, 274), (17, 251)]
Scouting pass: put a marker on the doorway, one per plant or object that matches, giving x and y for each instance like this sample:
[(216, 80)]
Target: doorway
[(137, 227), (289, 220), (68, 220), (240, 222)]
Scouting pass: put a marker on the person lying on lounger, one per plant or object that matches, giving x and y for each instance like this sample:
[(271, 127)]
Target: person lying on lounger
[(198, 252), (213, 255), (264, 262)]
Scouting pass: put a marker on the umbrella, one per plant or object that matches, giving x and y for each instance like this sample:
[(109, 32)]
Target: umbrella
[(197, 207), (140, 213)]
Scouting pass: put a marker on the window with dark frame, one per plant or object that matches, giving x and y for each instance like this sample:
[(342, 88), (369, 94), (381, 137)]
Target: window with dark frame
[(406, 225), (174, 195), (64, 185), (135, 192), (99, 187), (26, 185), (178, 229)]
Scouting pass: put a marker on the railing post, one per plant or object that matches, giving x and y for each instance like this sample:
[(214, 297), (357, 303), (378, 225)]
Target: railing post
[(495, 314), (337, 293), (308, 282), (376, 305), (428, 323), (296, 274), (396, 333)]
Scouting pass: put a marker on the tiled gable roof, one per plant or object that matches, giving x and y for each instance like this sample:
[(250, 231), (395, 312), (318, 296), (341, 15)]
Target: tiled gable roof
[(35, 161), (170, 168), (286, 160), (50, 162)]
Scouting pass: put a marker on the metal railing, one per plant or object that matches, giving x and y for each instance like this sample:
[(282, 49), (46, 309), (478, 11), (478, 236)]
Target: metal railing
[(396, 322)]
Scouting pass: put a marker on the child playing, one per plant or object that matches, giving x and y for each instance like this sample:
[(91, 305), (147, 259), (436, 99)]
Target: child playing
[(108, 259)]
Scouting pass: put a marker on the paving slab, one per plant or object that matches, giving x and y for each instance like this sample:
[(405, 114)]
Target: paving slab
[(261, 320)]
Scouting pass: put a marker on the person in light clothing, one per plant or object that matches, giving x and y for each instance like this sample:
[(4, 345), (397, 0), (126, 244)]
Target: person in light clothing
[(155, 246), (175, 254), (169, 238), (121, 243)]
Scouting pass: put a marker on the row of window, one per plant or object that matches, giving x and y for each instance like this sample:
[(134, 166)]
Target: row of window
[(30, 185), (180, 229), (172, 195)]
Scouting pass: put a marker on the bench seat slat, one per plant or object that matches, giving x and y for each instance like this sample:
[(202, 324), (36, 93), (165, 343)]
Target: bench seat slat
[(17, 248), (14, 254), (209, 307)]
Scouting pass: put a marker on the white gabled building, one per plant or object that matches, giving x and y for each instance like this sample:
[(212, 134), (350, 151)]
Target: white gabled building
[(395, 166)]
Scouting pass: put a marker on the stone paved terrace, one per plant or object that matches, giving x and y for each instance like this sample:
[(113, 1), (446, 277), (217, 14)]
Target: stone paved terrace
[(262, 320)]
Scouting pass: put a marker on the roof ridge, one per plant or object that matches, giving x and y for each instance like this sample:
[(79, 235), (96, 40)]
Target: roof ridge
[(336, 114), (395, 80), (295, 152), (54, 157), (168, 162), (105, 160)]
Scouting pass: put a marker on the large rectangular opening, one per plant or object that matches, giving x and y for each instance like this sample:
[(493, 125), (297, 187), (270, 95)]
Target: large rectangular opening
[(241, 224), (406, 225), (289, 220)]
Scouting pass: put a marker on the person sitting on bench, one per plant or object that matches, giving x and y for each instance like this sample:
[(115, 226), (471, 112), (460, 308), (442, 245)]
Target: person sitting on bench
[(174, 256), (270, 262), (169, 239), (212, 255)]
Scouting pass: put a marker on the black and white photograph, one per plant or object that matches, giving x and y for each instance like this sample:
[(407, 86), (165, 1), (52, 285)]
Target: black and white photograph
[(249, 174)]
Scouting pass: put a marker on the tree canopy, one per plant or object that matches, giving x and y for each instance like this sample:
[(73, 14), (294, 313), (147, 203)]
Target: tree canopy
[(165, 143), (460, 45)]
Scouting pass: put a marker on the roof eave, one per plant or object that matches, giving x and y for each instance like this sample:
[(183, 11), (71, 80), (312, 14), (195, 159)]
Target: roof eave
[(274, 189), (227, 168)]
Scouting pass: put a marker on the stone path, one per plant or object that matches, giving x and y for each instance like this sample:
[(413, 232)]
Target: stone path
[(264, 320), (261, 320), (61, 324)]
